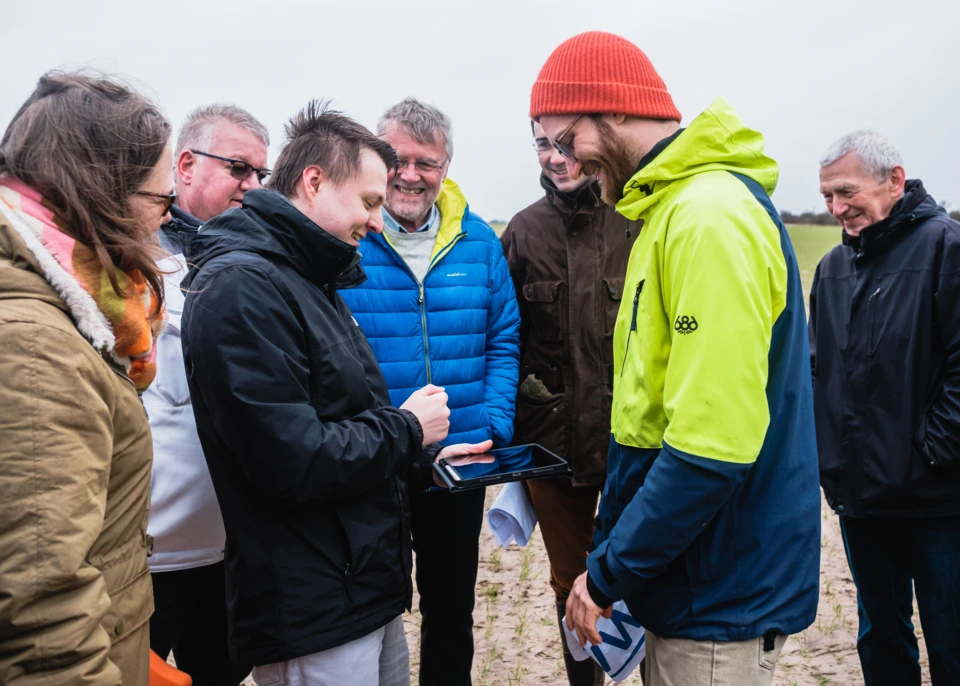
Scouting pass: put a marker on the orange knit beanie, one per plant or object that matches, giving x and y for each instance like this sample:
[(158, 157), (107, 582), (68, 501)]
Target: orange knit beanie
[(598, 72)]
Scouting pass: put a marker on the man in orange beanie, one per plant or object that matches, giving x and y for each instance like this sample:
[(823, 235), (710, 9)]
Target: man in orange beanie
[(709, 522)]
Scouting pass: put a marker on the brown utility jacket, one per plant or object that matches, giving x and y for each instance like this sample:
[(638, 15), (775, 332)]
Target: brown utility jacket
[(568, 257)]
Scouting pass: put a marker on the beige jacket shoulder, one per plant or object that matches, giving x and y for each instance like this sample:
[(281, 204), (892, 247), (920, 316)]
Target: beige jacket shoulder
[(75, 460)]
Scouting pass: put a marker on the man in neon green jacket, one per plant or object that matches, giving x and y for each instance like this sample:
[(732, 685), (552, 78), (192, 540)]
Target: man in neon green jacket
[(709, 524)]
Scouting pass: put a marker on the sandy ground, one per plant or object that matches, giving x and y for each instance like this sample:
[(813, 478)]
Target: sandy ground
[(517, 640)]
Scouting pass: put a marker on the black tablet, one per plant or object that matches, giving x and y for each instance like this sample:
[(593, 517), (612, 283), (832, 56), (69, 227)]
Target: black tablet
[(518, 463)]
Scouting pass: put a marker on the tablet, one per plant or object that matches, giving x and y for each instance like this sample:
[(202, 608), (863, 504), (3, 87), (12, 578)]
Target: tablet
[(517, 463)]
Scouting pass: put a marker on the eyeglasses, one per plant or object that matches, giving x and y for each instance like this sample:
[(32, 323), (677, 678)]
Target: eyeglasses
[(422, 166), (239, 169), (168, 198), (542, 145), (560, 146)]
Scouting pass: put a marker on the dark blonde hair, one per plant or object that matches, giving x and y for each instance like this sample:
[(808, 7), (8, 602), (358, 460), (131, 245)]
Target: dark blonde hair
[(87, 143)]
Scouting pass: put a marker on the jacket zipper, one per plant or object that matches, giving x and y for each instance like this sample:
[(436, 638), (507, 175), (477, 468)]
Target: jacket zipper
[(426, 339), (422, 299), (633, 324)]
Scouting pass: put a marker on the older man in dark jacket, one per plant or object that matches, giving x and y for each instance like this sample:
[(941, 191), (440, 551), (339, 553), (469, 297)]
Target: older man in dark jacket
[(310, 462), (885, 341), (568, 256)]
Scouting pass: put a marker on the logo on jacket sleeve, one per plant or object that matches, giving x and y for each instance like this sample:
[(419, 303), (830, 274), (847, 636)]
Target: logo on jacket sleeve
[(685, 325)]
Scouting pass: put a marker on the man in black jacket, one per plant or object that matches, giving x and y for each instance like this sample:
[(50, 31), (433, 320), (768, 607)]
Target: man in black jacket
[(311, 466), (885, 342)]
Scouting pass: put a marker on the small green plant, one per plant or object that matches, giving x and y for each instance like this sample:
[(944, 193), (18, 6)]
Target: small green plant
[(496, 563), (515, 675)]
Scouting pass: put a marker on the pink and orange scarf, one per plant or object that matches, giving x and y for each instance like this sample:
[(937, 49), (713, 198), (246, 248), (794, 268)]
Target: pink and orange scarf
[(134, 334)]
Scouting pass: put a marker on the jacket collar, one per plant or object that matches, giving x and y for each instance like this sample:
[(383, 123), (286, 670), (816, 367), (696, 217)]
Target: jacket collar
[(175, 232), (582, 200), (270, 225), (913, 208)]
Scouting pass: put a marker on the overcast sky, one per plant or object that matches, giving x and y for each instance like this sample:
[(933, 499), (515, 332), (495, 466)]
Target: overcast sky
[(803, 72)]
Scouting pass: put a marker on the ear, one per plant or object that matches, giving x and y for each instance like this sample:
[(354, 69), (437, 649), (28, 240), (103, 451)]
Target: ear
[(616, 119), (898, 178), (446, 170), (312, 178), (184, 166)]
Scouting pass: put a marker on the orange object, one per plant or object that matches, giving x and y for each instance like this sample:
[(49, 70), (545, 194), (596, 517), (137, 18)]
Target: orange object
[(164, 674)]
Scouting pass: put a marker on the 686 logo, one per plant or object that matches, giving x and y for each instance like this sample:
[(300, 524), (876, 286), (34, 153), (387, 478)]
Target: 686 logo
[(685, 325)]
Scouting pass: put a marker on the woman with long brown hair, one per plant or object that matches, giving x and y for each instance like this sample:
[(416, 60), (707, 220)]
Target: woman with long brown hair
[(85, 181)]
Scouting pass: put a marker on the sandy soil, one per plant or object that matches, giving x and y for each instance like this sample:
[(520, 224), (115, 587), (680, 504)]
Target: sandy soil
[(517, 640)]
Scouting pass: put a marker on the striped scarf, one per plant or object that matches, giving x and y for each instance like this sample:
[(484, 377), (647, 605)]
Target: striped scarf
[(134, 334)]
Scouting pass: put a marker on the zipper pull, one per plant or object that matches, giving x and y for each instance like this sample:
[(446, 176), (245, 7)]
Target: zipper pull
[(421, 295), (636, 305), (872, 297)]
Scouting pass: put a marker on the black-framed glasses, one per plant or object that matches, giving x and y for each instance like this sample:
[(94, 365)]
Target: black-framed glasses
[(168, 198), (239, 169), (421, 165), (561, 146)]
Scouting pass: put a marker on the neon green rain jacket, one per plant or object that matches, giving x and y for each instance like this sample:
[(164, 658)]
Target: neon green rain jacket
[(709, 522)]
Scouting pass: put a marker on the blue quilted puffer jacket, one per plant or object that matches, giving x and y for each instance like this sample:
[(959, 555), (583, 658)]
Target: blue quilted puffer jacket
[(460, 329)]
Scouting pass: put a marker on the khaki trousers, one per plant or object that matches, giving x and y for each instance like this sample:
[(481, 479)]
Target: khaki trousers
[(684, 662)]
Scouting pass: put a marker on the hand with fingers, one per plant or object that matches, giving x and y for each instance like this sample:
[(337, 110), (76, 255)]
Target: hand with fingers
[(429, 405), (583, 613)]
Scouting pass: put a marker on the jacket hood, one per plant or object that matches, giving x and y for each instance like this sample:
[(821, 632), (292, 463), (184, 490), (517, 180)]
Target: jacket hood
[(29, 271), (915, 207), (269, 225), (715, 141)]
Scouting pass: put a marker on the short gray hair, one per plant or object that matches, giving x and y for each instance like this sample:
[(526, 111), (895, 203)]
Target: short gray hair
[(198, 129), (877, 153), (423, 122)]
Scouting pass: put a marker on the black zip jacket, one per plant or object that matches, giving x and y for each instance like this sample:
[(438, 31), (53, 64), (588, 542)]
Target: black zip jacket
[(885, 346), (309, 461)]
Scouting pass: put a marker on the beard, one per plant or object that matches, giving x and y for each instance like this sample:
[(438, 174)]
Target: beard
[(616, 161)]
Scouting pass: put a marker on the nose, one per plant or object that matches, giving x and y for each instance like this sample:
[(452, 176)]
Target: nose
[(838, 209), (375, 223), (556, 159), (574, 169), (408, 173), (250, 183), (167, 217)]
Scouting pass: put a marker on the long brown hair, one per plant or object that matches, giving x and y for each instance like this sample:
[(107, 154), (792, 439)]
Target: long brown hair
[(86, 143)]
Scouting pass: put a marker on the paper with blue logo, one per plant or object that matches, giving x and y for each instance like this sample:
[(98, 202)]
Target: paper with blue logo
[(623, 646)]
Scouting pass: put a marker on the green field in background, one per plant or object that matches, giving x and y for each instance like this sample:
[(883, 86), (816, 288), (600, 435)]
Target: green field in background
[(810, 242)]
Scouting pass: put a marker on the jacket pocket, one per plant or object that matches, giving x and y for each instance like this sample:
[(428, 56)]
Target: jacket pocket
[(611, 304), (544, 422), (547, 316)]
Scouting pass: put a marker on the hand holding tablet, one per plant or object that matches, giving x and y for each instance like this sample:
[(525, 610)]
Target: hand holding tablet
[(479, 468)]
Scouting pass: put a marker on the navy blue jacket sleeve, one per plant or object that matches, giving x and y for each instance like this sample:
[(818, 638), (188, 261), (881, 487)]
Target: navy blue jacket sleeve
[(502, 349), (247, 350), (658, 524)]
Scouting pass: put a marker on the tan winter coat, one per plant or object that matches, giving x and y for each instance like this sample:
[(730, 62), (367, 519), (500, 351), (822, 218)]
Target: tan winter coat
[(75, 458)]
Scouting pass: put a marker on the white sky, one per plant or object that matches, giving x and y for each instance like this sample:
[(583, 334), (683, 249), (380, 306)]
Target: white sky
[(803, 72)]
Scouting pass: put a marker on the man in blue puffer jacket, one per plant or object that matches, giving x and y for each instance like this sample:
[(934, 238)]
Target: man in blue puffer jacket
[(439, 307)]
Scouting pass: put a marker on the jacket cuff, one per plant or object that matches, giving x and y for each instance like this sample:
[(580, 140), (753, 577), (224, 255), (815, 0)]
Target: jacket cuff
[(413, 421), (601, 600)]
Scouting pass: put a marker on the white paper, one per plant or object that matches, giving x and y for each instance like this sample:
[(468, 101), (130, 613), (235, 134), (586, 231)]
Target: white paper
[(623, 646), (511, 517)]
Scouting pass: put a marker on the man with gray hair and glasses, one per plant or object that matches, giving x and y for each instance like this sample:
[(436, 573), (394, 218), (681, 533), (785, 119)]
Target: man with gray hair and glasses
[(220, 155), (885, 345), (439, 307)]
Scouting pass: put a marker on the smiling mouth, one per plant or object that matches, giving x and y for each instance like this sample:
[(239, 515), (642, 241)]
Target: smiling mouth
[(410, 192)]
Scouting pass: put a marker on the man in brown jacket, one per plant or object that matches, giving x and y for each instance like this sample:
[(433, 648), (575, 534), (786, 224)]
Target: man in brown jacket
[(568, 255)]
